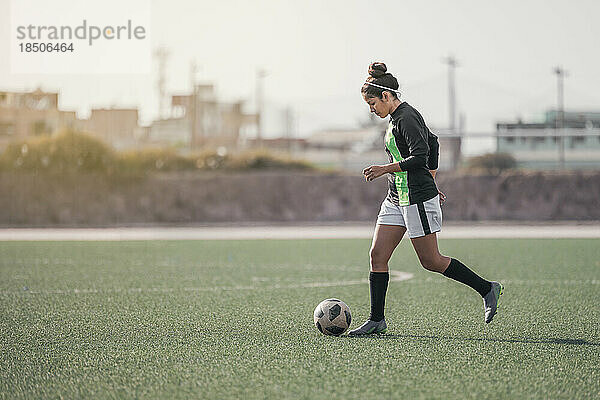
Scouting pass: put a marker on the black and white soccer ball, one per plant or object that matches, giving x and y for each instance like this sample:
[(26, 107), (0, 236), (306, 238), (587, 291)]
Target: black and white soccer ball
[(332, 317)]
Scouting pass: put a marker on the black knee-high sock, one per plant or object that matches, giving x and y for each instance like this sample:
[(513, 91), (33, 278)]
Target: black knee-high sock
[(460, 272), (378, 283)]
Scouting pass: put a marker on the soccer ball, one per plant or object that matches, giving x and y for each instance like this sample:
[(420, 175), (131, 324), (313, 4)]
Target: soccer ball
[(332, 317)]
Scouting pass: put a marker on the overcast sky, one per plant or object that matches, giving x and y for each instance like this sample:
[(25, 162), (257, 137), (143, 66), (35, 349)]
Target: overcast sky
[(317, 54)]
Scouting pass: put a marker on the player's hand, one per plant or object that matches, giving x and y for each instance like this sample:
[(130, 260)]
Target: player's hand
[(442, 197), (373, 172)]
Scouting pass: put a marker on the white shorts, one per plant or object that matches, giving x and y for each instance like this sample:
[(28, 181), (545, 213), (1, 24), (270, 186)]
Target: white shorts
[(419, 219)]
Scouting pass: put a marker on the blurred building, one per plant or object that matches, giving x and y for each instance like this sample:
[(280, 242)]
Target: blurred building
[(117, 126), (200, 119), (574, 138), (278, 143), (354, 149), (25, 114), (450, 148)]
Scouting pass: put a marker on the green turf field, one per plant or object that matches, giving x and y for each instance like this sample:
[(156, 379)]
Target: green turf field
[(233, 319)]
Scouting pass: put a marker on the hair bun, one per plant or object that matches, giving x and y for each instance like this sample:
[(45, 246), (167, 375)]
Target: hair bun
[(377, 69)]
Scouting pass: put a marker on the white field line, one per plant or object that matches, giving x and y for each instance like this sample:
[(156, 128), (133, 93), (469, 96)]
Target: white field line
[(363, 231), (527, 282), (395, 276), (576, 282)]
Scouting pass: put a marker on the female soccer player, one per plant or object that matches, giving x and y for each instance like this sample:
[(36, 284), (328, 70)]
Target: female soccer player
[(413, 202)]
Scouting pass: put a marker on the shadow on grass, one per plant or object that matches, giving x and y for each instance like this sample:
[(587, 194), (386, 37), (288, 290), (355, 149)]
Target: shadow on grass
[(581, 342)]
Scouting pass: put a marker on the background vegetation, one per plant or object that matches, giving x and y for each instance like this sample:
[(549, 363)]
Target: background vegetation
[(70, 151), (494, 163)]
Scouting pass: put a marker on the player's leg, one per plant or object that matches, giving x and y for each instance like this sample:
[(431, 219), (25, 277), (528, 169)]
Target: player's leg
[(429, 255), (423, 220), (385, 240)]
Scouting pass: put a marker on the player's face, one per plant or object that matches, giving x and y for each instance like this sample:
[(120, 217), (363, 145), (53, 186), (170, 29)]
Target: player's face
[(379, 107)]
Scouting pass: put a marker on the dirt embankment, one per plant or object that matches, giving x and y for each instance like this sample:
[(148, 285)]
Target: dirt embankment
[(197, 198)]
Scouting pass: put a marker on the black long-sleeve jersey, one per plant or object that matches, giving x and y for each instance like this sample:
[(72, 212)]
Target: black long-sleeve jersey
[(409, 141)]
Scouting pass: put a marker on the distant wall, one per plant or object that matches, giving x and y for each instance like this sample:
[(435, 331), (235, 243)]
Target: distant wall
[(536, 196), (197, 198)]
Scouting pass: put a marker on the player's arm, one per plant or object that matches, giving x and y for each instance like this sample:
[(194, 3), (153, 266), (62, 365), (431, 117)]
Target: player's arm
[(432, 163), (417, 147), (416, 136), (375, 171), (434, 154), (434, 151)]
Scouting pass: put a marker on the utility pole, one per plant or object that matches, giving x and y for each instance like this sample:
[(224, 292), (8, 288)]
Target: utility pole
[(560, 118), (193, 106), (161, 54), (289, 120), (452, 64), (260, 75)]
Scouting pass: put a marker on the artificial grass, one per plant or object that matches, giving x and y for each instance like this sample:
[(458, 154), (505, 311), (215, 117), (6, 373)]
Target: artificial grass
[(233, 319)]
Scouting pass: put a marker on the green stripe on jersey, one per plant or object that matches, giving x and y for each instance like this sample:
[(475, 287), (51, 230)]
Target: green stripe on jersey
[(401, 180)]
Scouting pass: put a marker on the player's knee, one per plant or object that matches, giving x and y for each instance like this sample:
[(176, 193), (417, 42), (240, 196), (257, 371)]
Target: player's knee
[(378, 259), (431, 263)]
